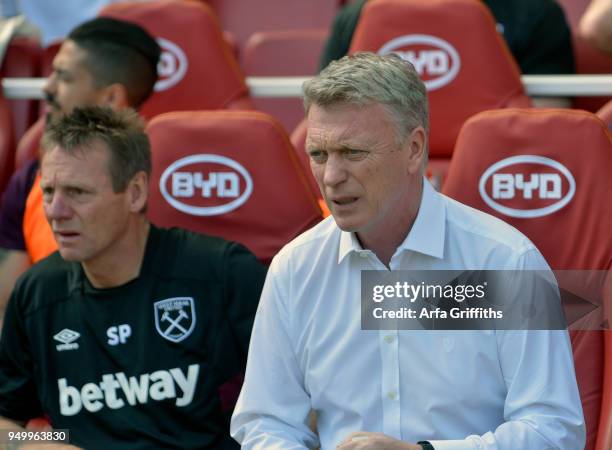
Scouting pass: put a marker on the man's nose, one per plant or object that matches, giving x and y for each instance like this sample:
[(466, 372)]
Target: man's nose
[(335, 170), (49, 87), (57, 208)]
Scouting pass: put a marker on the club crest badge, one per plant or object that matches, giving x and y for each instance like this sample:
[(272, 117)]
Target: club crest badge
[(175, 318)]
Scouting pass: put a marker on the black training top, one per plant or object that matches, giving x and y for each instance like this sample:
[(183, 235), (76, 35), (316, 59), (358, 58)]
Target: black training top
[(149, 364)]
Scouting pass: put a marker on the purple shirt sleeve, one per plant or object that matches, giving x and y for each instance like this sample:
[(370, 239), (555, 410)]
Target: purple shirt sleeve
[(12, 207)]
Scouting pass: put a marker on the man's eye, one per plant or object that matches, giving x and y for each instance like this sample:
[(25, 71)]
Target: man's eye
[(47, 193), (63, 76), (352, 153), (75, 192), (318, 156)]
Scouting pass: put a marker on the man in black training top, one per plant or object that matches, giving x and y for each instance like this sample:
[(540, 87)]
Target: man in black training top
[(130, 334)]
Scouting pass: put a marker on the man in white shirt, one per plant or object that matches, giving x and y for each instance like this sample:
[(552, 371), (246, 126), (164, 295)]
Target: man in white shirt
[(393, 389)]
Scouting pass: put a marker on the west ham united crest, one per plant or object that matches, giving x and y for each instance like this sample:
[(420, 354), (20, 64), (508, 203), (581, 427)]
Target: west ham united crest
[(175, 318)]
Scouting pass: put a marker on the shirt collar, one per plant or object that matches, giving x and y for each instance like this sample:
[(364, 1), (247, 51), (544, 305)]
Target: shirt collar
[(427, 232)]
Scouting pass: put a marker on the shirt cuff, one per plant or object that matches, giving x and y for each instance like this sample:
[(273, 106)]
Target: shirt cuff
[(454, 445)]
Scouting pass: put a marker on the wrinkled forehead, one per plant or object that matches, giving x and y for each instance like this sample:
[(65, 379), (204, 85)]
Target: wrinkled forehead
[(88, 160), (345, 124)]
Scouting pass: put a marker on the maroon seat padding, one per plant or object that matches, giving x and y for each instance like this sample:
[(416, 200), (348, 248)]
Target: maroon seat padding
[(7, 146)]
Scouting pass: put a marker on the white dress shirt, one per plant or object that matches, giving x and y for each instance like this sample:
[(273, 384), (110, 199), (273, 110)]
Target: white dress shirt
[(502, 390)]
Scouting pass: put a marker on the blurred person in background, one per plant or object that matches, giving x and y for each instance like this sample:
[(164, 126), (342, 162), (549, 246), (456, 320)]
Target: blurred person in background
[(536, 32), (596, 24)]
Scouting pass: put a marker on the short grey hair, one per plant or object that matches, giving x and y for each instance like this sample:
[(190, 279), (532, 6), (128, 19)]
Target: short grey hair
[(122, 131), (367, 78)]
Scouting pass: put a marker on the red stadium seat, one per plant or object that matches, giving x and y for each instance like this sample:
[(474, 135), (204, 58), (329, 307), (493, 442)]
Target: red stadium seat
[(22, 61), (465, 73), (567, 216), (197, 68), (232, 174), (283, 53), (7, 147), (243, 18)]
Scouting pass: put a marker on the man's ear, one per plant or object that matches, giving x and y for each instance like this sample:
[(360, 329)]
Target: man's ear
[(138, 192), (415, 147), (114, 96)]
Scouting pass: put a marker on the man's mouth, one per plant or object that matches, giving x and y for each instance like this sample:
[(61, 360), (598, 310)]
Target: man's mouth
[(66, 235), (51, 104), (344, 200)]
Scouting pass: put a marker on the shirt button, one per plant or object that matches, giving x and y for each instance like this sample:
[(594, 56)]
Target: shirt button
[(389, 339), (391, 395)]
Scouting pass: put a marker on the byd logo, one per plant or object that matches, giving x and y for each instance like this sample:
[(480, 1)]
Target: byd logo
[(527, 186), (172, 65), (206, 185), (436, 61)]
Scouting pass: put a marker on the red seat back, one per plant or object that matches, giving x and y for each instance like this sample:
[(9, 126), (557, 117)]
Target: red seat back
[(566, 156), (22, 60), (465, 72), (283, 54), (7, 145), (197, 68), (232, 174), (243, 18)]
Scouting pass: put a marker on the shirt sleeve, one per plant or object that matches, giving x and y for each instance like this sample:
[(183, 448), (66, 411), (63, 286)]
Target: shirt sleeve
[(12, 207), (274, 384), (542, 408), (18, 392)]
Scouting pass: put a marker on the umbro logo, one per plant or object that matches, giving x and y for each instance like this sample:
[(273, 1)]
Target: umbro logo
[(67, 338)]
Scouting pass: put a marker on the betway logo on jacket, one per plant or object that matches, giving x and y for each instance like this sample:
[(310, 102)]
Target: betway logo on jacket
[(115, 389)]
